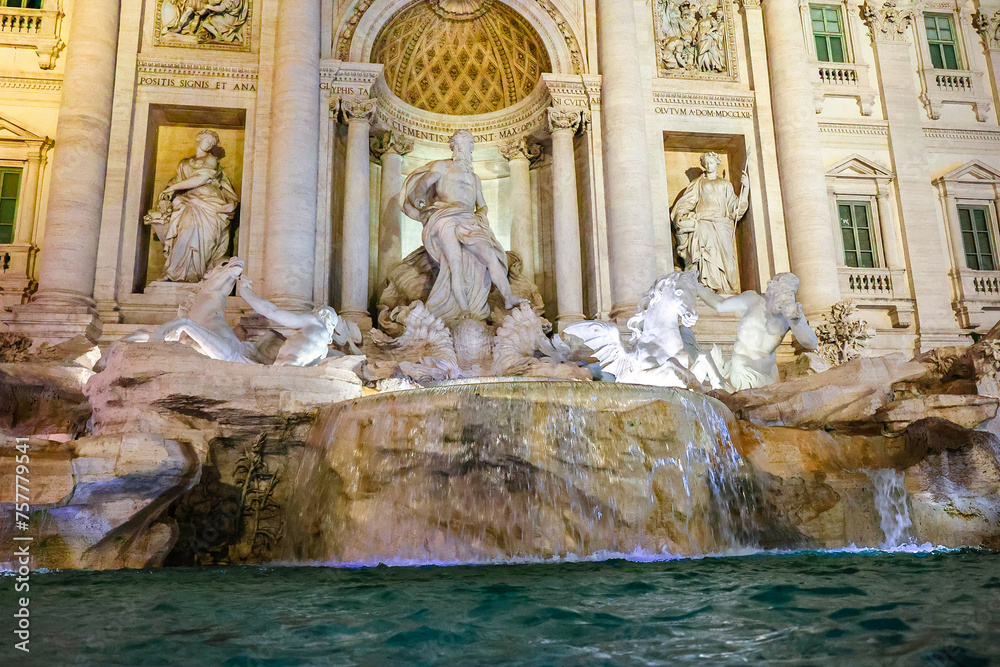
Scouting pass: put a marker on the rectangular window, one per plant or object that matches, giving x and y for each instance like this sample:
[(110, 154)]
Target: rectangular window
[(856, 230), (828, 31), (942, 41), (26, 4), (10, 186), (976, 237)]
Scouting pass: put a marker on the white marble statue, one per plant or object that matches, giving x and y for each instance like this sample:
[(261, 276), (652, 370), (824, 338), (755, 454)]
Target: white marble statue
[(315, 331), (446, 196), (660, 351), (202, 324), (704, 219), (765, 321), (193, 215)]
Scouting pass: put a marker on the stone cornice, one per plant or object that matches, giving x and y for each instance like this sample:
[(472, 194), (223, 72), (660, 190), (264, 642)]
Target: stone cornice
[(863, 129), (37, 84), (951, 135), (726, 101), (181, 68)]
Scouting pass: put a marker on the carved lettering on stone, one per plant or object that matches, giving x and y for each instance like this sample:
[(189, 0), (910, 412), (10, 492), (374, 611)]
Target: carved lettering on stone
[(887, 22), (204, 24), (694, 38)]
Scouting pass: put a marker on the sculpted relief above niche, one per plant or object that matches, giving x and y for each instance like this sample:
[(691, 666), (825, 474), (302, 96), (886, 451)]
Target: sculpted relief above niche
[(213, 24), (694, 39)]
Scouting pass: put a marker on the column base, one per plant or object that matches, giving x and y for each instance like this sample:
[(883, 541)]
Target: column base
[(53, 323), (928, 339), (360, 317), (621, 312), (563, 321), (291, 303)]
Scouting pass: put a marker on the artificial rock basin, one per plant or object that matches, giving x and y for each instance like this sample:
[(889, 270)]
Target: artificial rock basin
[(512, 469)]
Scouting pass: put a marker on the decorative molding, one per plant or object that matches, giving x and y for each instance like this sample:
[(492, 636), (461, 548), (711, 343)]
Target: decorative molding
[(974, 136), (520, 148), (38, 29), (358, 109), (727, 101), (176, 68), (989, 28), (34, 84), (695, 39), (568, 119), (865, 129), (181, 24), (582, 91), (887, 22), (386, 142)]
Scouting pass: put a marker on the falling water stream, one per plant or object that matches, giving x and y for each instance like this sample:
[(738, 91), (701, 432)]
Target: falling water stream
[(891, 505)]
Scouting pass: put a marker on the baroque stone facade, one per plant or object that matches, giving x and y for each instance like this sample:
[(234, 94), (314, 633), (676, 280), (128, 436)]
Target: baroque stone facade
[(865, 132)]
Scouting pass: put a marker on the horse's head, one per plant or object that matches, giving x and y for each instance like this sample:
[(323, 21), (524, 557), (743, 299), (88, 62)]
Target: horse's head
[(223, 276), (672, 296)]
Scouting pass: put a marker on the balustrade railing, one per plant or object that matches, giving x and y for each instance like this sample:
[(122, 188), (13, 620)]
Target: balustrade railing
[(36, 29)]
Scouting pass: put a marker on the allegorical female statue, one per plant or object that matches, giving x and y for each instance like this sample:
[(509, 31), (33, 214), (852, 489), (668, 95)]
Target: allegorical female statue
[(446, 196), (705, 218), (193, 214)]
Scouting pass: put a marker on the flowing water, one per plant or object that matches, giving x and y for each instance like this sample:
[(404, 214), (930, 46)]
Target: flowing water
[(890, 503), (862, 608)]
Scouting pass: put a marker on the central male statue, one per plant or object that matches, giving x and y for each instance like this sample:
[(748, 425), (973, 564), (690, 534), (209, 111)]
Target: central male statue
[(446, 196)]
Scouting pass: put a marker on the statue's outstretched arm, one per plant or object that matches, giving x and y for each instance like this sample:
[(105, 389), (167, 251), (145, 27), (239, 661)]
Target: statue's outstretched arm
[(264, 307), (727, 304), (802, 331)]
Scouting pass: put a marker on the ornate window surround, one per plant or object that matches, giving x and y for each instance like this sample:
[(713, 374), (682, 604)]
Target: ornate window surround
[(22, 149), (857, 178), (849, 79), (966, 86), (976, 184), (36, 29)]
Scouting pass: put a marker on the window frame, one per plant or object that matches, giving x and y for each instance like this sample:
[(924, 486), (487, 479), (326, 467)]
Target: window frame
[(873, 232), (19, 171), (955, 43), (845, 41), (989, 223)]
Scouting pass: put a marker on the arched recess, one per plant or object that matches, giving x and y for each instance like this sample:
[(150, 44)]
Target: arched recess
[(359, 25)]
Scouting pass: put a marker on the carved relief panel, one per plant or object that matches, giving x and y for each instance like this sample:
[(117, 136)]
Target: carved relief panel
[(695, 39), (213, 24)]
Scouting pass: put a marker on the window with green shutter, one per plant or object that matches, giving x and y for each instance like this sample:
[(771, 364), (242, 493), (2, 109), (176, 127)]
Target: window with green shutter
[(976, 238), (942, 41), (856, 230), (828, 31), (10, 186), (25, 4)]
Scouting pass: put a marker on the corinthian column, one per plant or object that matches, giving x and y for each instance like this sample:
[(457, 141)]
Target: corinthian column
[(803, 181), (564, 124), (988, 27), (79, 165), (358, 115), (519, 153), (389, 148), (924, 237), (293, 161), (631, 242)]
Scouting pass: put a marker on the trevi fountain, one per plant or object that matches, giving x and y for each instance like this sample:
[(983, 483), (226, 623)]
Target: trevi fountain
[(446, 378)]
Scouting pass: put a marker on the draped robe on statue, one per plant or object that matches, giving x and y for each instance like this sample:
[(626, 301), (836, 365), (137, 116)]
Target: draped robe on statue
[(705, 219), (472, 229), (197, 236)]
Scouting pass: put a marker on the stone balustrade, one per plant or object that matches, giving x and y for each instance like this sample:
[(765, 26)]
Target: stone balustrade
[(844, 80), (946, 86), (36, 29)]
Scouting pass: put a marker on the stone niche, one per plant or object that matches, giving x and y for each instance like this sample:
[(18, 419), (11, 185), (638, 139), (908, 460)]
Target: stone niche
[(682, 154), (171, 137)]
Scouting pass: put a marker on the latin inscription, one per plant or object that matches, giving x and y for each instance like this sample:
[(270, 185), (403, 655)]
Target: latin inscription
[(197, 84), (697, 111)]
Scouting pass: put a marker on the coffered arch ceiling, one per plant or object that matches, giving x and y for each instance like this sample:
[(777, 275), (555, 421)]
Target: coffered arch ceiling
[(460, 57), (360, 24)]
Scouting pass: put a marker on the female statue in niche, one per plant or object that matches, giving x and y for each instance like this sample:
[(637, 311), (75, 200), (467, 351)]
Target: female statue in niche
[(705, 218), (194, 212)]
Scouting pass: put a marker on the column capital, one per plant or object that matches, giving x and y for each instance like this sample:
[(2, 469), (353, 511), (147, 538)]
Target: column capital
[(887, 22), (388, 142), (988, 28), (521, 148), (568, 119), (750, 4), (362, 110)]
